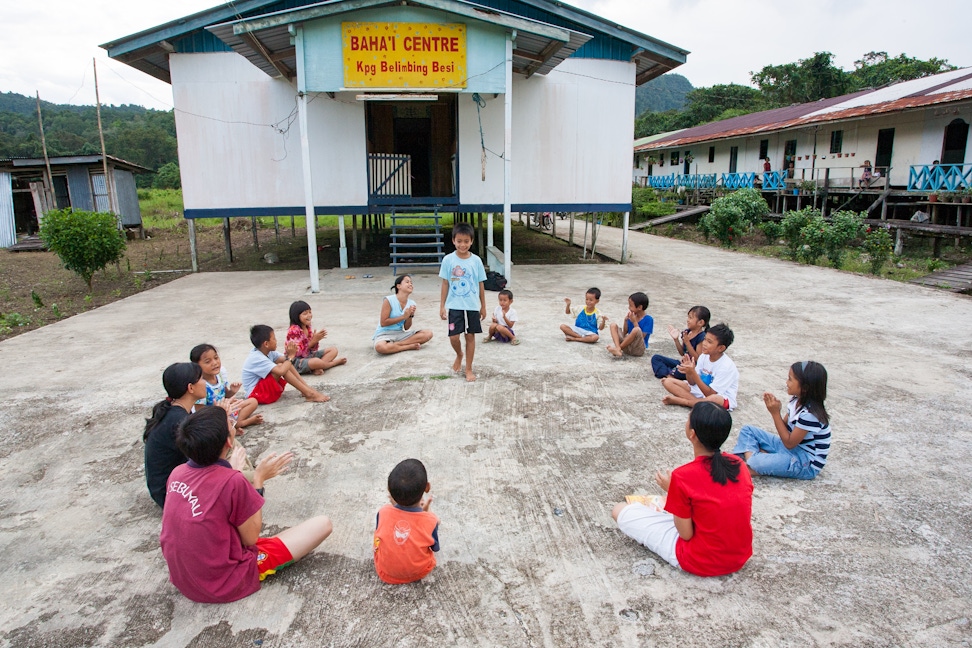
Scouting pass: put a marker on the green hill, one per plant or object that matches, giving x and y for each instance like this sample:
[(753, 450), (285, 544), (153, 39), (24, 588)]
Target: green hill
[(140, 135), (667, 92)]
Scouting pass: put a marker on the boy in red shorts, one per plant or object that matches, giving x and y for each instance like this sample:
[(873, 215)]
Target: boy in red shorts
[(266, 371), (212, 517)]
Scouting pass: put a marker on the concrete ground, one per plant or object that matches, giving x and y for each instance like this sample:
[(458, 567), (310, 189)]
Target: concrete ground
[(525, 465)]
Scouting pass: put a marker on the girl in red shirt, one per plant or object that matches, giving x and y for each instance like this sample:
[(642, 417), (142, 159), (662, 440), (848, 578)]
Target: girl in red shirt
[(705, 527)]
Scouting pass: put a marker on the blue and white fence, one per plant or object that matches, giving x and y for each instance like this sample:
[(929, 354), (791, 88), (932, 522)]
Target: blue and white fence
[(940, 177)]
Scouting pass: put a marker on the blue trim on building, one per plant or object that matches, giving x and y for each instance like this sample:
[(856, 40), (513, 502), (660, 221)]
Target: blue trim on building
[(601, 46), (354, 210)]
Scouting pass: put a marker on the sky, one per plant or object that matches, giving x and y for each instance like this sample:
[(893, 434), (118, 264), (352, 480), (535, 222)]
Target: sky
[(47, 46)]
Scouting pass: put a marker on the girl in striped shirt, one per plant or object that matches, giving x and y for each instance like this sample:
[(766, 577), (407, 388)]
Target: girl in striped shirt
[(799, 446)]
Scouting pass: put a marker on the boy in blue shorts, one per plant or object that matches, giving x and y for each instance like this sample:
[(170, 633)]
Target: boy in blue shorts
[(638, 326), (462, 296), (587, 320)]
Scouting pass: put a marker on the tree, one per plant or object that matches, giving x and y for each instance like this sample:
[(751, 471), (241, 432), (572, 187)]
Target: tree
[(85, 242), (706, 104), (168, 177), (875, 69), (806, 80)]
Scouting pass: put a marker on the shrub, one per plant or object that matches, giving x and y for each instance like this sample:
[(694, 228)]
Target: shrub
[(732, 216), (84, 241), (792, 226), (814, 240), (772, 230), (168, 177), (844, 228), (878, 245)]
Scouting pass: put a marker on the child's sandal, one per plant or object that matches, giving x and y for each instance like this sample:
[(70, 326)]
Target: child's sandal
[(488, 338), (514, 341)]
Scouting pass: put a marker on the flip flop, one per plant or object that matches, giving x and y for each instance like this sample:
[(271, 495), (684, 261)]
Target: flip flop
[(514, 341)]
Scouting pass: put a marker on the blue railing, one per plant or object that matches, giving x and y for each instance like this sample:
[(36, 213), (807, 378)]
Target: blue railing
[(738, 180), (940, 177), (662, 182), (689, 181), (774, 180)]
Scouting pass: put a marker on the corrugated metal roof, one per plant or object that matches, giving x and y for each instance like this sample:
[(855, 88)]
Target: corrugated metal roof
[(149, 49), (63, 160), (947, 87), (265, 40)]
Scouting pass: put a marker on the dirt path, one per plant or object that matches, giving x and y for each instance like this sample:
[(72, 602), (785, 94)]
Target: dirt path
[(524, 464)]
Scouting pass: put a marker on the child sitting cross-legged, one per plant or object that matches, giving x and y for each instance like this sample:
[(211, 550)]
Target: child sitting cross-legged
[(713, 377), (504, 318), (705, 527), (406, 534), (212, 518), (638, 326), (266, 371)]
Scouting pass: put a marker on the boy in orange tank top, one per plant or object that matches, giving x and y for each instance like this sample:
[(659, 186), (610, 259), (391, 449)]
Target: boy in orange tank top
[(406, 533)]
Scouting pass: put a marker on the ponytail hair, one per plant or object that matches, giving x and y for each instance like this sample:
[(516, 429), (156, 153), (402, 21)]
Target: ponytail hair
[(175, 379), (712, 425), (701, 313), (812, 377)]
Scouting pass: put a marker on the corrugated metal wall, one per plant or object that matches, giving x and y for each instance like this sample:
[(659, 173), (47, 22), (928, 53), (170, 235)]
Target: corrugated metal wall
[(79, 185), (127, 197), (8, 228)]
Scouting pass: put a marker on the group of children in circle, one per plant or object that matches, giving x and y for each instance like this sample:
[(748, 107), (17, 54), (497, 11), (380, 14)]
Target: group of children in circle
[(212, 495)]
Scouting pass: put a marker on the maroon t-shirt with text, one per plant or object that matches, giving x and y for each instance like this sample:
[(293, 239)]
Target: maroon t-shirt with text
[(207, 560)]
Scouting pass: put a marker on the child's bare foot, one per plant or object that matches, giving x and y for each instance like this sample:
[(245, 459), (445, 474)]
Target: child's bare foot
[(457, 365), (470, 376), (613, 350), (670, 400), (340, 361), (256, 419), (317, 397), (414, 347), (318, 372)]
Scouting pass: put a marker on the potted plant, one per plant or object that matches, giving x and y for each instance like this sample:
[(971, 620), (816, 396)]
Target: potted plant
[(933, 197), (651, 160), (967, 195), (688, 158), (808, 186)]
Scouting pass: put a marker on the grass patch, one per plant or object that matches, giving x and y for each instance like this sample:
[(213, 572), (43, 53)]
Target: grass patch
[(420, 378), (915, 261)]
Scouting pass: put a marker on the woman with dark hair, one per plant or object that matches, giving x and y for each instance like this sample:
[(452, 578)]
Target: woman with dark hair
[(394, 332), (184, 384)]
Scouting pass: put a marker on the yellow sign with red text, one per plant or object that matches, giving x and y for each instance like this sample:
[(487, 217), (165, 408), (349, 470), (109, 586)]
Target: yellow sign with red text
[(404, 55)]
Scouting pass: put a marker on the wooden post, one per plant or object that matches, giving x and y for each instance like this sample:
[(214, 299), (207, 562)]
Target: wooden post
[(293, 228), (584, 246), (482, 242), (193, 253), (276, 228), (570, 231), (49, 179), (104, 155), (227, 240), (354, 237), (253, 226)]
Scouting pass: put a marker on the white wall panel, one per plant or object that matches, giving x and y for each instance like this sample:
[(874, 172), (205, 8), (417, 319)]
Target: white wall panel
[(572, 133), (231, 156), (472, 188)]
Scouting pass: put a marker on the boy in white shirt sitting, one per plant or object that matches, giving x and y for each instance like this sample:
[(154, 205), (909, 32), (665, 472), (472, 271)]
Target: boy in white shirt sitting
[(713, 377)]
